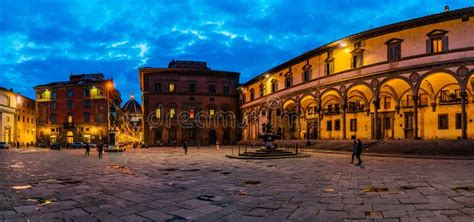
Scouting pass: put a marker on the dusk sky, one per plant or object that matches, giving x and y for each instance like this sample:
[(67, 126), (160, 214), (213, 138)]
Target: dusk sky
[(46, 41)]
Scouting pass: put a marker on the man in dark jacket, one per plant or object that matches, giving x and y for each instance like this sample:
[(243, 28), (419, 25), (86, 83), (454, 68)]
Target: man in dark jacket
[(359, 151), (88, 149), (100, 149), (185, 147)]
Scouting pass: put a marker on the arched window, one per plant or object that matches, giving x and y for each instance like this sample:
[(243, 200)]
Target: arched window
[(262, 90), (274, 85), (306, 75), (288, 81), (252, 94)]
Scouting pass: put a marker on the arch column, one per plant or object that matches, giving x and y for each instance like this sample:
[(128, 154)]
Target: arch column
[(298, 128), (319, 110), (415, 114), (463, 115), (376, 114), (344, 107)]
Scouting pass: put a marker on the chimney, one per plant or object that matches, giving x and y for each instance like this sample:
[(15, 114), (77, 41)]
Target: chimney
[(446, 8)]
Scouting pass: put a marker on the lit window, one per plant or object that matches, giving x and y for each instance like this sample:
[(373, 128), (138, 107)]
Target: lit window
[(437, 45), (158, 113), (191, 113), (69, 118), (211, 113), (172, 113), (171, 87)]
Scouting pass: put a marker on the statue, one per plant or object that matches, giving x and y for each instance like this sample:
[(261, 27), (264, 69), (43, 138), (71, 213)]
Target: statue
[(113, 117)]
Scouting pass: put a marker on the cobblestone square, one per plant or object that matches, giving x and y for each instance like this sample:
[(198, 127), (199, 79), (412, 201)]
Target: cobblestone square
[(162, 184)]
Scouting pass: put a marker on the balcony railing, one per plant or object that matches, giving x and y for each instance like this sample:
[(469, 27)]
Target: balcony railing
[(409, 103), (67, 125), (355, 109), (331, 111), (450, 100)]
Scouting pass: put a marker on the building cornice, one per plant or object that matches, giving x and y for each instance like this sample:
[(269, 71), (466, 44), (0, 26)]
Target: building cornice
[(409, 69), (396, 27)]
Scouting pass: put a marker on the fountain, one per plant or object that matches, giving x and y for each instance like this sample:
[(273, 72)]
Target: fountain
[(270, 149)]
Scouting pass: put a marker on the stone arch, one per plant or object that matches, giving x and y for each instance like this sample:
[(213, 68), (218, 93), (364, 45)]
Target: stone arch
[(358, 84), (468, 83), (288, 102), (391, 79), (438, 80), (437, 72), (329, 90), (307, 100), (362, 90)]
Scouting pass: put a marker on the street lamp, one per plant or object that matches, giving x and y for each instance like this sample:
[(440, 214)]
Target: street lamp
[(109, 86)]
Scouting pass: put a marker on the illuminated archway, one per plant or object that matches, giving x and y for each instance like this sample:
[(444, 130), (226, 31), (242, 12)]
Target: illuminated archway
[(309, 117), (395, 114), (439, 94), (358, 99)]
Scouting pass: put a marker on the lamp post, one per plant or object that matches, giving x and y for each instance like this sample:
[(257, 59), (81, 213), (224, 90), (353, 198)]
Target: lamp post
[(109, 87)]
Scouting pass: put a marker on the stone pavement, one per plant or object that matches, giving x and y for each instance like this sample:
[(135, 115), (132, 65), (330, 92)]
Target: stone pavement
[(162, 184)]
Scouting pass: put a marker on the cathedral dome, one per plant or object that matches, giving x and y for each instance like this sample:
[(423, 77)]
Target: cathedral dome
[(132, 106)]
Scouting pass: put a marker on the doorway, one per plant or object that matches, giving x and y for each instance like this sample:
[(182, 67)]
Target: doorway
[(312, 129), (408, 125), (212, 137), (8, 133)]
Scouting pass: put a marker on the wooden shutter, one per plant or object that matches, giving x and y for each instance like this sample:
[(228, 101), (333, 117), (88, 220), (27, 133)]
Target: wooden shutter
[(445, 44), (428, 46)]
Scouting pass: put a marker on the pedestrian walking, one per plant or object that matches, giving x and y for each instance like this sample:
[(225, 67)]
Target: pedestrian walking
[(100, 149), (17, 145), (359, 151), (185, 147), (218, 145), (88, 149), (355, 146)]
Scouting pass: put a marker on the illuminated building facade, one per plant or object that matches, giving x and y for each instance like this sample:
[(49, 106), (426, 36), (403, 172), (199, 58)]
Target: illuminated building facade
[(133, 112), (17, 118), (189, 102), (76, 110), (406, 80)]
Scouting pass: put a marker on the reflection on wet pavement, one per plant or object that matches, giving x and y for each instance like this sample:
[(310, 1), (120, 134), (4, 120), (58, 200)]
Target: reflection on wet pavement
[(164, 184)]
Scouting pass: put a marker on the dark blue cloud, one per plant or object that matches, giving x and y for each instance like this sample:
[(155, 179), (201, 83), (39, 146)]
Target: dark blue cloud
[(44, 41)]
